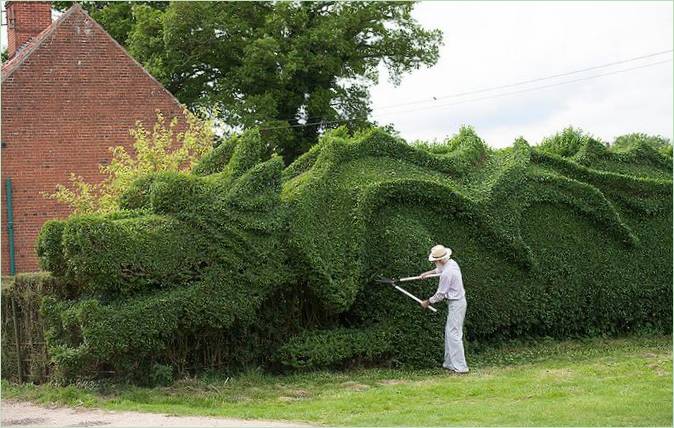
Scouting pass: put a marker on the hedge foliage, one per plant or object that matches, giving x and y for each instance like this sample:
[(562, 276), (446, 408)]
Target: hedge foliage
[(247, 262), (21, 300)]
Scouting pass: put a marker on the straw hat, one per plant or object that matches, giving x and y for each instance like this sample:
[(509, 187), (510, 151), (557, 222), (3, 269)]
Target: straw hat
[(439, 252)]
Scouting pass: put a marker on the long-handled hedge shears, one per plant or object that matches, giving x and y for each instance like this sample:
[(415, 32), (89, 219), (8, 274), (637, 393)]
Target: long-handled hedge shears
[(405, 292)]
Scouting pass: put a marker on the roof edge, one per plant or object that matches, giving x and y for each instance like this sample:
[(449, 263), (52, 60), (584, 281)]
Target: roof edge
[(138, 64), (47, 32), (39, 40)]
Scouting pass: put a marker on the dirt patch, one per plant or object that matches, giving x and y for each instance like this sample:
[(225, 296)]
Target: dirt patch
[(13, 412), (355, 386), (557, 373), (295, 395), (657, 369), (393, 382), (300, 393)]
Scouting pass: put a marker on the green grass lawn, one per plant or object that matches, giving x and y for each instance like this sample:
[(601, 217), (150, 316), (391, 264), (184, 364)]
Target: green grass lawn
[(597, 382)]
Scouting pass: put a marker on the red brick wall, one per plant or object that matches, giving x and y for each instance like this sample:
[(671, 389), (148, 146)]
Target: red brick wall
[(73, 97), (25, 20)]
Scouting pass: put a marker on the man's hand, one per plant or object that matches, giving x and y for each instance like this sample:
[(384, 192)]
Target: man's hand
[(424, 275), (425, 304)]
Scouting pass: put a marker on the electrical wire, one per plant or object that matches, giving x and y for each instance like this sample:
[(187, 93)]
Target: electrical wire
[(526, 82), (567, 82), (434, 99), (478, 99)]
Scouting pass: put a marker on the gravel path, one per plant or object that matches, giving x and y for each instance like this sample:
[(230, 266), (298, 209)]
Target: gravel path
[(21, 413)]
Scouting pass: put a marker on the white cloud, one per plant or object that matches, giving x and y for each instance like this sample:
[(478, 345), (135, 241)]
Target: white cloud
[(493, 43)]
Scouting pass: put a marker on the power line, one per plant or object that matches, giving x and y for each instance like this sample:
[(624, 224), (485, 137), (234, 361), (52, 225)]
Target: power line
[(535, 88), (519, 83), (477, 99), (525, 82)]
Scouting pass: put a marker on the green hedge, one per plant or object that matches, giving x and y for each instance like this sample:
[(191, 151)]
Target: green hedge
[(21, 300), (234, 156), (548, 245), (334, 348), (207, 256), (247, 262)]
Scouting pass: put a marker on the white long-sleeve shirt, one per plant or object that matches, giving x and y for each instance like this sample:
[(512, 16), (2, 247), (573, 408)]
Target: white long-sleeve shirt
[(451, 283)]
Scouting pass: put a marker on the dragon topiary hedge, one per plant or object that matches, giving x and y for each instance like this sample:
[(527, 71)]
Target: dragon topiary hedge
[(247, 262)]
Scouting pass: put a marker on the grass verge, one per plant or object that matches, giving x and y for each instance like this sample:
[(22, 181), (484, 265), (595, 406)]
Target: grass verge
[(593, 382)]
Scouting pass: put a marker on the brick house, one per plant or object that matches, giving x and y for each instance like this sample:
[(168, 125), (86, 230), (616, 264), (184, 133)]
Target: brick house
[(69, 92)]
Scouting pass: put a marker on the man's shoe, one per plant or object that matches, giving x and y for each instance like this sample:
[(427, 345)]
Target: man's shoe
[(456, 372)]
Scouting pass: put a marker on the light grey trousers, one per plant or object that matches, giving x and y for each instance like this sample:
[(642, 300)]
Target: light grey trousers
[(454, 356)]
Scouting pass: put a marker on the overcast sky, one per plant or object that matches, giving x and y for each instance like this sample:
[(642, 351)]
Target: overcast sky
[(490, 44)]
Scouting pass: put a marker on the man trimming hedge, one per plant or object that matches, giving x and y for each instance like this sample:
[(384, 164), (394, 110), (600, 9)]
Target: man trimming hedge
[(450, 288)]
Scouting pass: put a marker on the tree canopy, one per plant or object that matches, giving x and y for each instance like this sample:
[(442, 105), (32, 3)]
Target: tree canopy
[(276, 65)]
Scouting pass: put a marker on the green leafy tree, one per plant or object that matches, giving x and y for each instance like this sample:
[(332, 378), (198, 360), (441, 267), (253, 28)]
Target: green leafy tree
[(115, 16), (294, 69)]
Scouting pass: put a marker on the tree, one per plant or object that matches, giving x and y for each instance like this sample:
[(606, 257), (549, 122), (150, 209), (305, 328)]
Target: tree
[(115, 16), (294, 69)]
